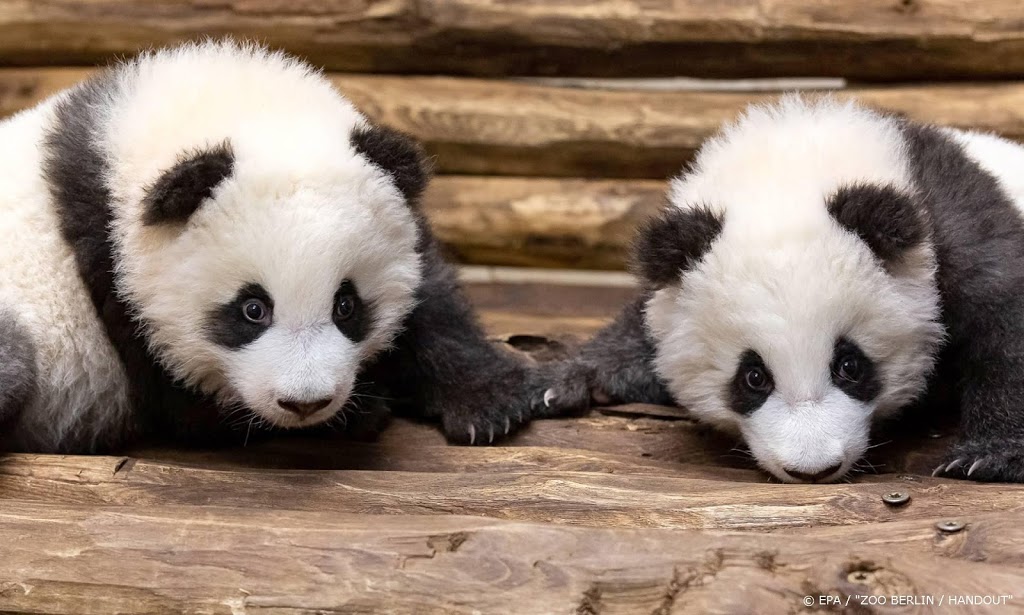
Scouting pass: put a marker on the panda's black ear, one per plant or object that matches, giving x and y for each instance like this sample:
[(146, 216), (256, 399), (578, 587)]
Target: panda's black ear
[(883, 217), (398, 155), (181, 189), (674, 242)]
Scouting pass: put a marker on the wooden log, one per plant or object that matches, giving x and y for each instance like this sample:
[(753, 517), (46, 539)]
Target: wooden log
[(486, 127), (553, 496), (994, 538), (179, 559), (540, 222), (869, 40)]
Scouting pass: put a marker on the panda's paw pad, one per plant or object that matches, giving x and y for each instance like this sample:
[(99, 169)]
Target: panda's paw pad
[(1000, 460)]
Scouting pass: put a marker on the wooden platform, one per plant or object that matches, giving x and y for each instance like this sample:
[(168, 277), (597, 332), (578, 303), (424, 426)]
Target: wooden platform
[(626, 510)]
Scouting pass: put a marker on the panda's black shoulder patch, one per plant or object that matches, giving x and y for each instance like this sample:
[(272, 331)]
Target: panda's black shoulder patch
[(673, 242), (397, 154), (177, 194), (75, 170), (886, 219)]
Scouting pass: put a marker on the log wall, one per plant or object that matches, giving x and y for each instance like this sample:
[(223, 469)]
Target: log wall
[(866, 40)]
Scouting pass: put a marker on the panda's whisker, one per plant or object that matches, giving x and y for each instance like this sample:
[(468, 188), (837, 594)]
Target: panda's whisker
[(247, 430)]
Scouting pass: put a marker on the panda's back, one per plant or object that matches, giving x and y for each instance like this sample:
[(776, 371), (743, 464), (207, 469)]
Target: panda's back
[(1002, 158), (81, 390)]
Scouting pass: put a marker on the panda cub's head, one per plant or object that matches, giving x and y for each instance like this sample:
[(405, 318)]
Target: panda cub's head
[(793, 274), (263, 229)]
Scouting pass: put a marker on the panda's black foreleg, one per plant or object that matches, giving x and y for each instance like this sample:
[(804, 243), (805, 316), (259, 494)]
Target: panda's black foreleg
[(991, 443), (614, 367), (17, 368), (443, 365)]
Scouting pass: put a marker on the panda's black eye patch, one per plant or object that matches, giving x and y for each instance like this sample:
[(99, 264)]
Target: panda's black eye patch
[(853, 372), (242, 320), (751, 385), (350, 314)]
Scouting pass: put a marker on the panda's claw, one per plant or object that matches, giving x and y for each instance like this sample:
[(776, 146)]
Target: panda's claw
[(508, 425), (490, 435), (986, 459), (472, 434), (549, 396)]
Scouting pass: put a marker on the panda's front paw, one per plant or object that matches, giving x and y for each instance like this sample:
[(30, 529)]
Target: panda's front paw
[(996, 460), (568, 388), (488, 406)]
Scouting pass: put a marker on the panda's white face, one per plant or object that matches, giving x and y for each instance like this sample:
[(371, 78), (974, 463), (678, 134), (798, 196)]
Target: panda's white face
[(797, 340), (803, 303), (279, 287)]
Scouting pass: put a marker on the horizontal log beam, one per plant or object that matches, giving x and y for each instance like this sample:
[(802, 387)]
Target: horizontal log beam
[(742, 501), (166, 558), (540, 222), (868, 40), (488, 127)]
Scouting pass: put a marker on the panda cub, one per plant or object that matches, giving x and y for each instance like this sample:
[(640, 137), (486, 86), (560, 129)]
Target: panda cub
[(822, 266), (210, 235)]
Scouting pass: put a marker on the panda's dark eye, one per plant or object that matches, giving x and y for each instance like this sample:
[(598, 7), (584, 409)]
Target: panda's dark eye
[(346, 302), (854, 372), (345, 307), (756, 380), (751, 384), (256, 311), (848, 368)]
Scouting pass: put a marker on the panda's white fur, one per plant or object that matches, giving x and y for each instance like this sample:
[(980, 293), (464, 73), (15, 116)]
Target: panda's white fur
[(300, 212), (82, 389)]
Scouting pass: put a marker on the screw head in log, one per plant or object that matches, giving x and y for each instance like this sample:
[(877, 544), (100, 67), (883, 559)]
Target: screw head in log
[(949, 526), (896, 498)]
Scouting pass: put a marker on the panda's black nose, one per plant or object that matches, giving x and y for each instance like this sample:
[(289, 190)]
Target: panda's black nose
[(304, 408), (808, 477)]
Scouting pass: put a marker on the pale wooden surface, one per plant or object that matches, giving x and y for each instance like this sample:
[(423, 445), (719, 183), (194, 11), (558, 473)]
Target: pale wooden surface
[(633, 509), (867, 39), (175, 559)]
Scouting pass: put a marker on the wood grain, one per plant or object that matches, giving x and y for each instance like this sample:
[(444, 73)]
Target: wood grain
[(867, 40), (563, 223), (180, 559), (742, 501), (492, 127)]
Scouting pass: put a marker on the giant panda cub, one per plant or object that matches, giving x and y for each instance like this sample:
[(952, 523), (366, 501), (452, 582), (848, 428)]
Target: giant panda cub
[(819, 267), (211, 235)]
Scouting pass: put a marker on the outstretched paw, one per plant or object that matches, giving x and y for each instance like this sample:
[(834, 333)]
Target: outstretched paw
[(568, 388), (999, 460), (485, 408)]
